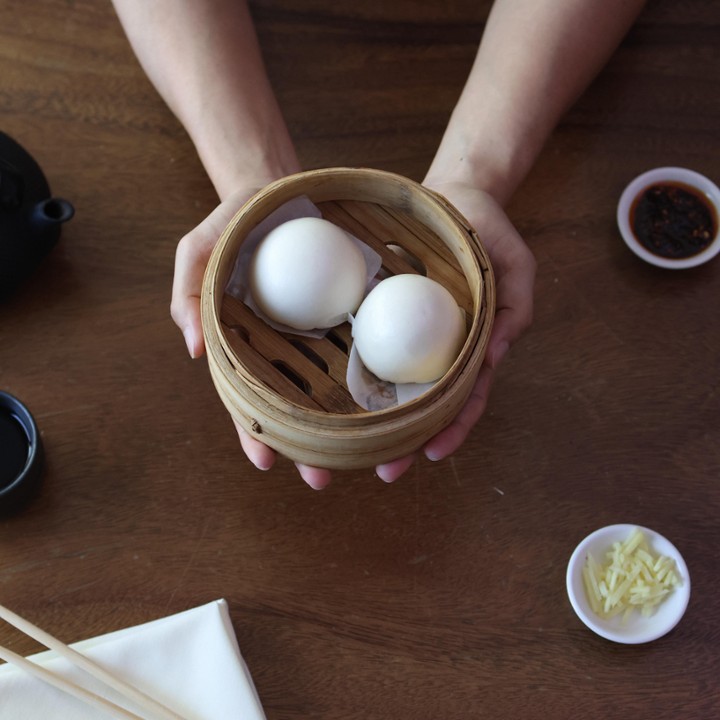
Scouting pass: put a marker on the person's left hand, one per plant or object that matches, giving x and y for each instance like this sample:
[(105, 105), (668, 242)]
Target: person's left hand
[(514, 268)]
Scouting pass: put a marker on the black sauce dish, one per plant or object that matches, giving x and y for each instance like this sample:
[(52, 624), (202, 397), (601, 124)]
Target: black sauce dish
[(21, 455), (668, 216)]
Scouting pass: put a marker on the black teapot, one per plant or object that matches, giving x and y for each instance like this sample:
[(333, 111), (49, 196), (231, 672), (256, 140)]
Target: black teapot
[(30, 218)]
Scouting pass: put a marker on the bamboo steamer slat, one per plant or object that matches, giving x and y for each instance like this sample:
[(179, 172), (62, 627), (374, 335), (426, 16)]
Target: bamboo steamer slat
[(289, 391)]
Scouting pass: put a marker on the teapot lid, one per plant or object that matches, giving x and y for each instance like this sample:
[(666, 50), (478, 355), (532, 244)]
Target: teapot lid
[(13, 157)]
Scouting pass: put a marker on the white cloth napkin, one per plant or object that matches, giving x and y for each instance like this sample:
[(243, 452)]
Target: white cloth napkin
[(190, 662)]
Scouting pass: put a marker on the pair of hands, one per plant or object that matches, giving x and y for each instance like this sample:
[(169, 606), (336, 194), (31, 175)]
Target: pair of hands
[(514, 268)]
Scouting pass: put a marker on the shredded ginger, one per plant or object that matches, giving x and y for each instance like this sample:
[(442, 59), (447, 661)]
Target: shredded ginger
[(630, 579)]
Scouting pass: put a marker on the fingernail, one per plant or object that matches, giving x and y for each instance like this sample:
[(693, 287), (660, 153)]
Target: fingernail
[(189, 341), (380, 475), (317, 484), (433, 456)]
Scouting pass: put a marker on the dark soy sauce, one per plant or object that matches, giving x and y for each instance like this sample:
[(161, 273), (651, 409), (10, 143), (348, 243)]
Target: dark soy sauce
[(673, 220)]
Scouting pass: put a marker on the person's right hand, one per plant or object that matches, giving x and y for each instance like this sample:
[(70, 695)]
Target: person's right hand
[(191, 259)]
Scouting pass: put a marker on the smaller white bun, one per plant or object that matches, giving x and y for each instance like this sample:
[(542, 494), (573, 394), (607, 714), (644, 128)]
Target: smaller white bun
[(409, 329), (308, 273)]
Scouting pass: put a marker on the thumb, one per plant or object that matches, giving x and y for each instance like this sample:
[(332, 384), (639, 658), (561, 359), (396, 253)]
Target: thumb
[(191, 258)]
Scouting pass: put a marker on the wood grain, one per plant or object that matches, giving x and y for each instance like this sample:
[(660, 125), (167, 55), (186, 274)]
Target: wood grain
[(439, 596)]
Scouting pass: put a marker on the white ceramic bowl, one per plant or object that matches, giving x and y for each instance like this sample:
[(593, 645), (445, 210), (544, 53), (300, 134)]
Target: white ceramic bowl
[(637, 629), (660, 175)]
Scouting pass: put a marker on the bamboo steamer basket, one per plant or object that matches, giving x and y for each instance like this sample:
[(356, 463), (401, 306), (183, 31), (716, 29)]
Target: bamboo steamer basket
[(289, 391)]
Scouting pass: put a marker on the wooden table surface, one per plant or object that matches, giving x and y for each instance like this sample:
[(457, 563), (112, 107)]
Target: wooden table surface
[(442, 595)]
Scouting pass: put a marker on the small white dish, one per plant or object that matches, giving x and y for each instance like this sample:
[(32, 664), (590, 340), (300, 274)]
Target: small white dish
[(702, 184), (637, 629)]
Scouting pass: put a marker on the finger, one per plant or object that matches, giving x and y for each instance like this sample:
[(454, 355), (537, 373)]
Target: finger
[(191, 258), (188, 318), (316, 478), (514, 310), (447, 441), (507, 327), (264, 458), (259, 454), (390, 472)]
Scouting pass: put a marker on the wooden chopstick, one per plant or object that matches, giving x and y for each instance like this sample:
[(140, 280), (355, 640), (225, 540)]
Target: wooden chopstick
[(143, 701), (69, 687)]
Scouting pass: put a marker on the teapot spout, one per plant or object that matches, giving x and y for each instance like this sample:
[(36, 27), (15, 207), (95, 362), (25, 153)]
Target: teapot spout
[(52, 211)]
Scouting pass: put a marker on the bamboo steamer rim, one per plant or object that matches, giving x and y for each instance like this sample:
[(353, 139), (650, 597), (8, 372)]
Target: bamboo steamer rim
[(230, 374)]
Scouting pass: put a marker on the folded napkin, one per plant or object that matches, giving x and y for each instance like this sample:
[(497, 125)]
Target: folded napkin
[(189, 662)]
